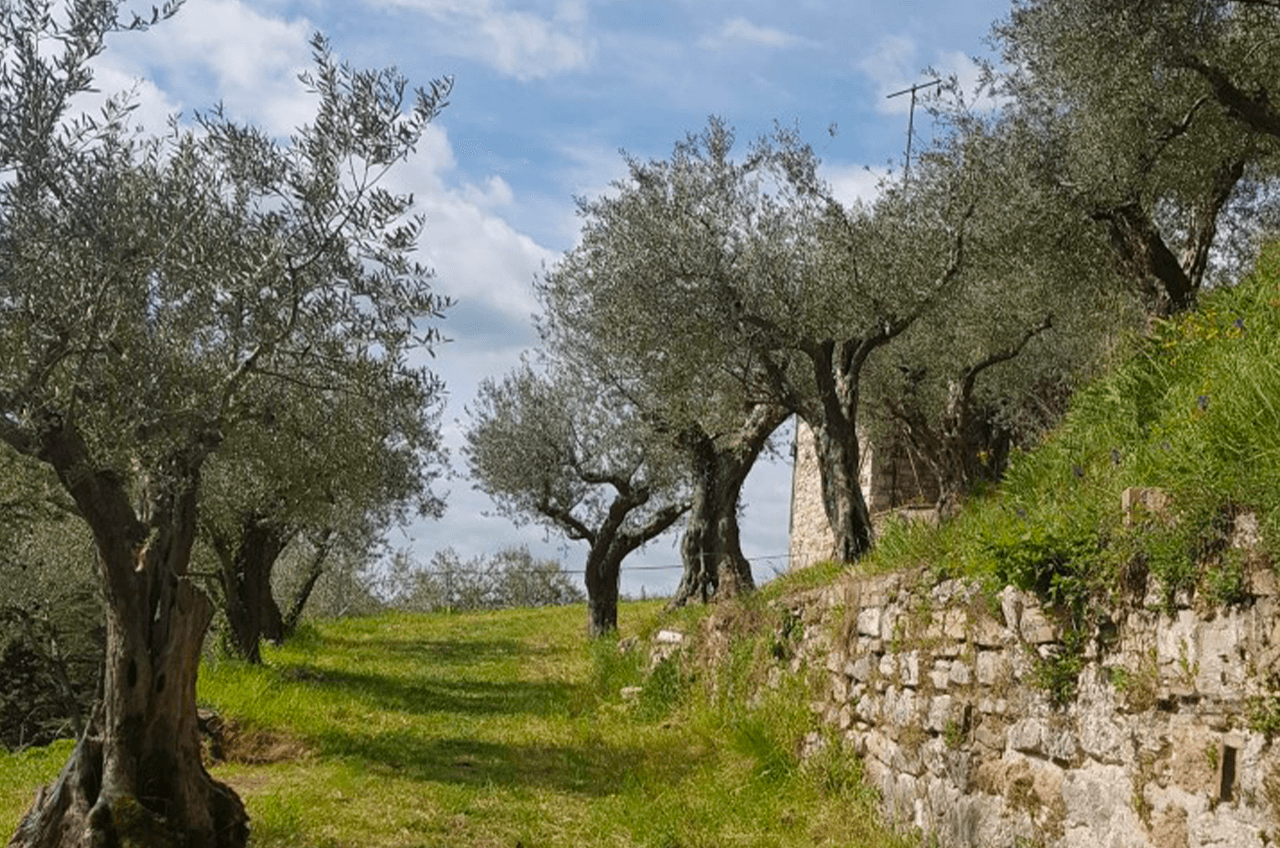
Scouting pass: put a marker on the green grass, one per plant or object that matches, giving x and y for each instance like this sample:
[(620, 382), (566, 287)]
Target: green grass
[(506, 728), (1193, 410)]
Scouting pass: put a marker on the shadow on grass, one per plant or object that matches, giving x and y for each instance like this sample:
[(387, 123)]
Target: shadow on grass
[(595, 771), (437, 651), (424, 696)]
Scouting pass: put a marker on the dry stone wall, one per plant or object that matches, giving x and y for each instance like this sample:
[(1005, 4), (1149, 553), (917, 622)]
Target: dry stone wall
[(941, 690)]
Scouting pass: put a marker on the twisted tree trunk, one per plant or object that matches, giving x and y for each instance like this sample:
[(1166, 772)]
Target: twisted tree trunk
[(136, 777), (711, 548)]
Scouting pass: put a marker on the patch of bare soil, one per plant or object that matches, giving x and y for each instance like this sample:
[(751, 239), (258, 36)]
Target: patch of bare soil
[(226, 740)]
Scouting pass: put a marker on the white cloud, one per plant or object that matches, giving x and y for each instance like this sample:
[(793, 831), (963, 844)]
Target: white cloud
[(526, 46), (853, 183), (477, 255), (495, 192), (893, 66), (519, 44), (738, 31), (249, 59)]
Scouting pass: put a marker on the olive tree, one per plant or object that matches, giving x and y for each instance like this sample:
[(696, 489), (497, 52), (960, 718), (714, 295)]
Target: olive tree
[(1145, 104), (627, 304), (1031, 312), (149, 289), (325, 461), (748, 282), (566, 452)]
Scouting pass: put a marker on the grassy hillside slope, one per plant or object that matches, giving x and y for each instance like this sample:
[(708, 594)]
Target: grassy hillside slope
[(504, 729), (1192, 411)]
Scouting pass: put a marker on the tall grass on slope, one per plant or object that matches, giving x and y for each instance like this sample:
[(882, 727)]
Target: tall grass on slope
[(1194, 412)]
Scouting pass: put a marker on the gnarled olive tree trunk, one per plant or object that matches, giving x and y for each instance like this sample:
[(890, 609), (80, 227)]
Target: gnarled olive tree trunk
[(610, 544), (136, 777), (711, 548), (835, 442)]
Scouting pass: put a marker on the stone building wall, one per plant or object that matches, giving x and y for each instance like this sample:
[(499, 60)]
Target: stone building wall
[(940, 689), (889, 479)]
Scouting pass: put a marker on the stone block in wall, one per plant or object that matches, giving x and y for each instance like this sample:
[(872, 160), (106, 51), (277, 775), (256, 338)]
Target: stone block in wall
[(1098, 806), (955, 624), (1022, 663), (993, 706), (1177, 652), (889, 624), (1192, 767), (989, 633), (1027, 736), (888, 667), (991, 733), (945, 591), (1245, 533), (861, 668), (880, 590), (940, 674), (877, 746), (1060, 743), (960, 674), (1169, 828), (902, 708), (845, 718), (1255, 764), (1011, 603), (909, 666), (962, 822), (1221, 668), (992, 667), (939, 714), (1102, 738), (909, 763), (867, 709), (1263, 581), (869, 621), (948, 648), (1035, 627)]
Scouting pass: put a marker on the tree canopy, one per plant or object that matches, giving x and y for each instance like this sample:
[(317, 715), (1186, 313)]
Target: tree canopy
[(152, 289), (1151, 129)]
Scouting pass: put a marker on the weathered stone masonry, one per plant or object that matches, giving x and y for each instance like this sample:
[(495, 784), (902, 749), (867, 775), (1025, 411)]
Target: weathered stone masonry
[(936, 688)]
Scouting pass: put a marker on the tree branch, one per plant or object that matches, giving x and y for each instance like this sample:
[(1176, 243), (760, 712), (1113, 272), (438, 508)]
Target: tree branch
[(1253, 110)]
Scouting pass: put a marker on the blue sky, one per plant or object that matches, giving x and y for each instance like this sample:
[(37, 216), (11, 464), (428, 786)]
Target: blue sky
[(546, 94)]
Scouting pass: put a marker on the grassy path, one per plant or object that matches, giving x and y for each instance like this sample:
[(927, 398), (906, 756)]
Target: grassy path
[(492, 730)]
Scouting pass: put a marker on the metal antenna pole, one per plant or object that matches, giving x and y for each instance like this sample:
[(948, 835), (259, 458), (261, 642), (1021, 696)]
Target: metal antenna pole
[(911, 119)]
